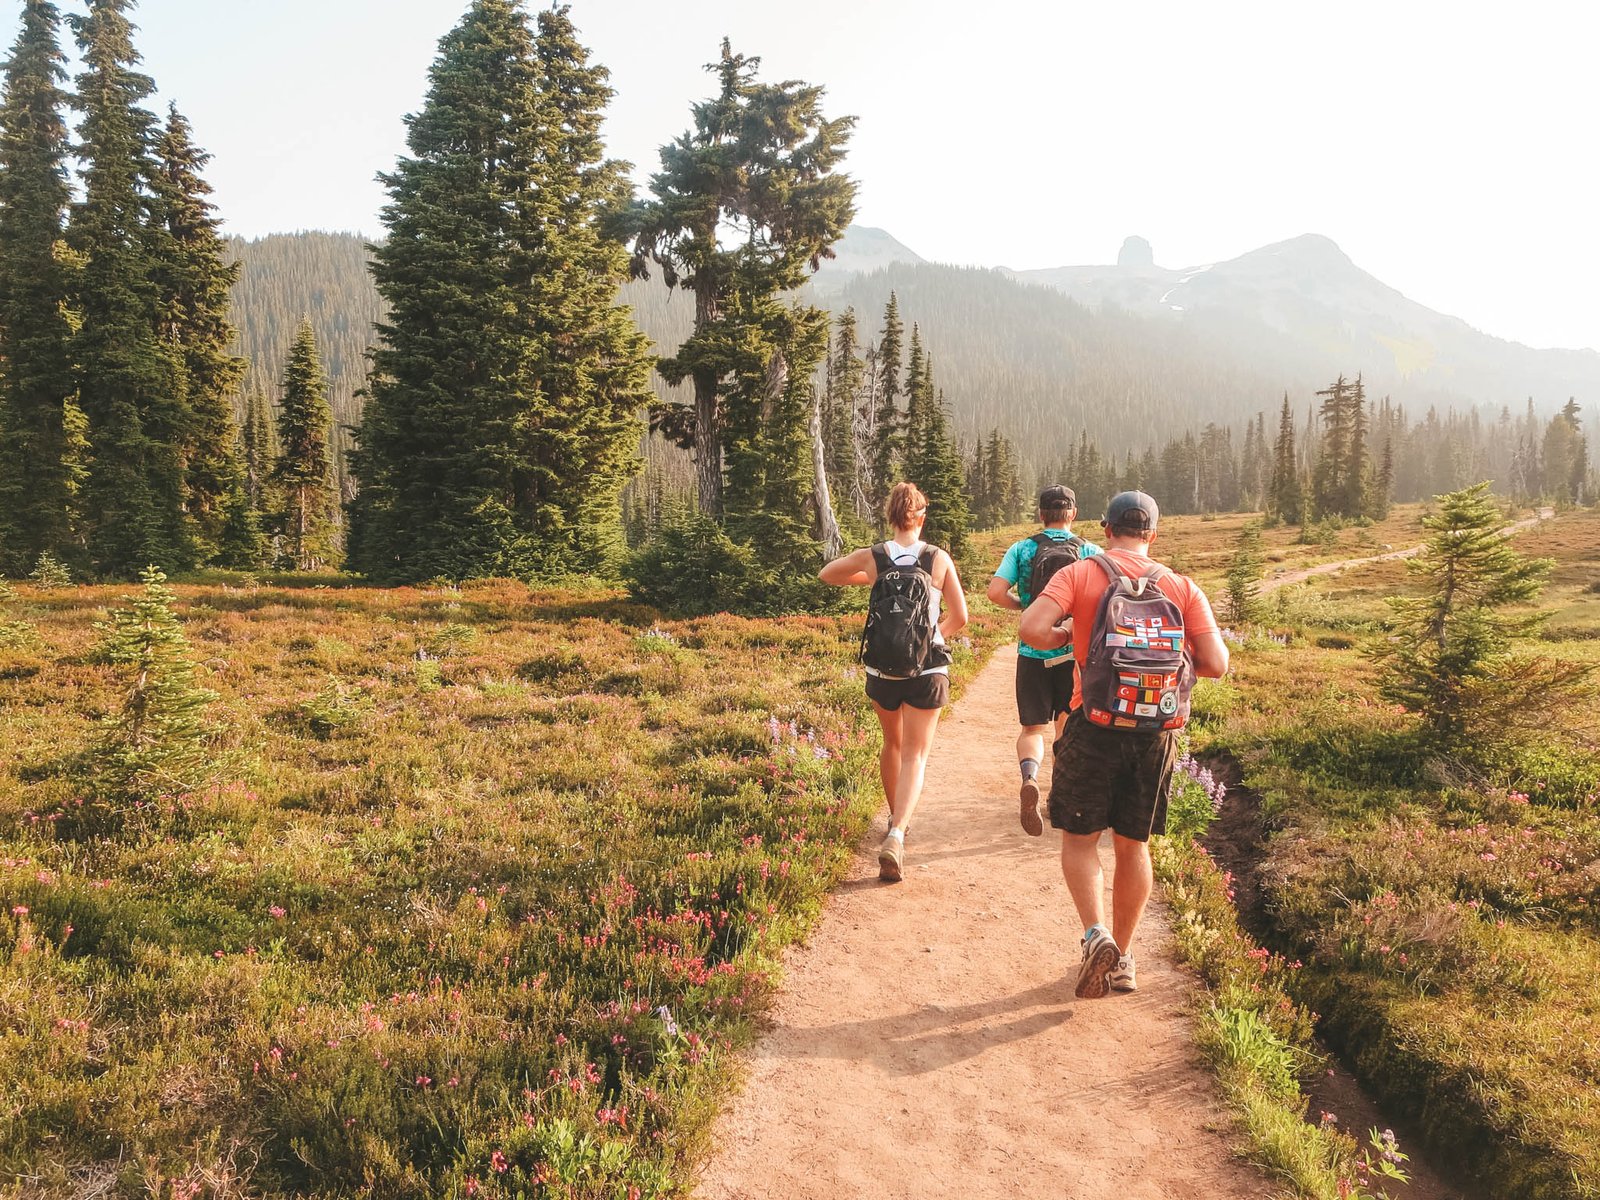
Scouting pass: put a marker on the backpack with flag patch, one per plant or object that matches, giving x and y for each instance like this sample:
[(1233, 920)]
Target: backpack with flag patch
[(899, 637), (1050, 556), (1137, 675)]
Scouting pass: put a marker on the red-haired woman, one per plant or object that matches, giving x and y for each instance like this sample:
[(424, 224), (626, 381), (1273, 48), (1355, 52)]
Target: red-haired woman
[(906, 652)]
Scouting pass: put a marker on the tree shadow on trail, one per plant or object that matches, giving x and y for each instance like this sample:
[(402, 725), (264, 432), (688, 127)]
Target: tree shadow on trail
[(933, 1036)]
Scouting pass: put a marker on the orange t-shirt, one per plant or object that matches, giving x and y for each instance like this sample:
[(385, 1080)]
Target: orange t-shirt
[(1079, 587)]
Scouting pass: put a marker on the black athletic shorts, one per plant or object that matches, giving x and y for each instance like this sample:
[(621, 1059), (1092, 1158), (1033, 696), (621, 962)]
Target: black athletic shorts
[(925, 691), (1043, 692), (1111, 779)]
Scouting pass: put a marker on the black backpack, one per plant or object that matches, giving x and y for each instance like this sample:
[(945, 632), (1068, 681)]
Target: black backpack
[(1049, 558), (898, 639), (1137, 674)]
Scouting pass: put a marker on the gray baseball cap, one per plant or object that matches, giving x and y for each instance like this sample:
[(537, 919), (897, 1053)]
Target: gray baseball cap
[(1132, 510)]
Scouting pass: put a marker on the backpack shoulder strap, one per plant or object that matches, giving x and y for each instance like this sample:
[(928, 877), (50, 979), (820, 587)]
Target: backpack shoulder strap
[(1109, 566), (881, 559), (925, 559), (1042, 539)]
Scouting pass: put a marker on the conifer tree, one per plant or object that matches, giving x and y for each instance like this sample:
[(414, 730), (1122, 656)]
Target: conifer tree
[(1328, 486), (42, 447), (844, 374), (195, 283), (1244, 575), (131, 385), (303, 474), (258, 449), (1357, 466), (1381, 493), (888, 421), (933, 462), (156, 744), (919, 399), (1449, 655), (1564, 456), (761, 158), (502, 421), (1285, 500)]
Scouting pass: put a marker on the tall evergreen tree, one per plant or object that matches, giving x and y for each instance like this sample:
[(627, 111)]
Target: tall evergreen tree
[(1285, 498), (889, 421), (131, 384), (761, 159), (919, 399), (844, 374), (932, 461), (258, 448), (502, 420), (1357, 466), (195, 283), (42, 447), (1564, 456), (303, 474), (1328, 485)]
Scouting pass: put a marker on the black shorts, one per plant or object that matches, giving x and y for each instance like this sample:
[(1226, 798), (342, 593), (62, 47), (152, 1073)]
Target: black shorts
[(1043, 692), (1110, 779), (925, 691)]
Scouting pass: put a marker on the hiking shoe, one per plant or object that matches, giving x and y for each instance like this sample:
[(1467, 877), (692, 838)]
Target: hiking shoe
[(890, 857), (1031, 824), (1122, 977), (1100, 955)]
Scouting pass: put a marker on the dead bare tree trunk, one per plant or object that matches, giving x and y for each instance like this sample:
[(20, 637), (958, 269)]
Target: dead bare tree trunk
[(832, 540)]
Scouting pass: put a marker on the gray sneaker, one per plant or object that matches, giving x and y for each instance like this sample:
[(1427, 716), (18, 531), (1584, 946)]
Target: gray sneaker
[(1100, 955), (1032, 825), (1122, 978), (891, 855)]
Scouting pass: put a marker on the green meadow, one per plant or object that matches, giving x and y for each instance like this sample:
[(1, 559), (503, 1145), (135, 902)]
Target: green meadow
[(487, 885), (1446, 912)]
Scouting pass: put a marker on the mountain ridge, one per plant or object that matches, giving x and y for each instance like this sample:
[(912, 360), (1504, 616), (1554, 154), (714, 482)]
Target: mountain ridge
[(1305, 302)]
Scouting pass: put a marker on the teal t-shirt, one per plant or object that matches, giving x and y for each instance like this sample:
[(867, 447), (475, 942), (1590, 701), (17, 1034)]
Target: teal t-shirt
[(1017, 565)]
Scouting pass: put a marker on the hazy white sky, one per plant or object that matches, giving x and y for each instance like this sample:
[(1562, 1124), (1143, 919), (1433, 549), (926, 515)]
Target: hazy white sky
[(1448, 147)]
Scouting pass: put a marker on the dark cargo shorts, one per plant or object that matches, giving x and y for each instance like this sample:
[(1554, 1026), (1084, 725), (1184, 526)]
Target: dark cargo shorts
[(925, 691), (1111, 779), (1043, 692)]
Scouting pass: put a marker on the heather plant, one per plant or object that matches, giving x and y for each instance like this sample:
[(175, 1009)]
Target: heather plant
[(158, 743)]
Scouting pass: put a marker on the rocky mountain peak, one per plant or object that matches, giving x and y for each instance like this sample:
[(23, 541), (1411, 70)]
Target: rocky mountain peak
[(1136, 252)]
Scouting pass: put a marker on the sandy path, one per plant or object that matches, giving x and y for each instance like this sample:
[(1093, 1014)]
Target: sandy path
[(927, 1043), (1300, 576)]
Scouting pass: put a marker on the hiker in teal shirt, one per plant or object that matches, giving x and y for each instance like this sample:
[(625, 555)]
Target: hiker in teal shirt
[(1044, 677)]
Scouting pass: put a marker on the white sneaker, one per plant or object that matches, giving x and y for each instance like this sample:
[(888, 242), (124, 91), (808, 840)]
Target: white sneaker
[(1122, 978), (1100, 955), (891, 856)]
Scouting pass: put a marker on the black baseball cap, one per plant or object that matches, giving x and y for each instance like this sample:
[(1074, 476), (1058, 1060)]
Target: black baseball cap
[(1132, 510), (1057, 495)]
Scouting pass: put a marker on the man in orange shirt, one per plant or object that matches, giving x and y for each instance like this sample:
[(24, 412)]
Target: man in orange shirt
[(1109, 778)]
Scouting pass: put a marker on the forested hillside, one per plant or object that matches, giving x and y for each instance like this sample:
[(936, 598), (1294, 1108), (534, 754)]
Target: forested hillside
[(321, 277), (1022, 358)]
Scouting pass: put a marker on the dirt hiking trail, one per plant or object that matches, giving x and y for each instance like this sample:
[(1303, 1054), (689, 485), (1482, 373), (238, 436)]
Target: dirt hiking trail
[(1333, 568), (927, 1043)]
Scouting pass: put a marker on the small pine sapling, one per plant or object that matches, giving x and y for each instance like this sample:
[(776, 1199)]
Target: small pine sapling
[(1244, 576), (157, 744)]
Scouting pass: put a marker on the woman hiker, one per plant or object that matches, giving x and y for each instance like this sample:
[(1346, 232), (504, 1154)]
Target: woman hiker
[(905, 651)]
